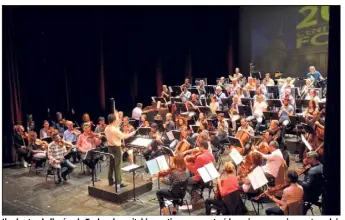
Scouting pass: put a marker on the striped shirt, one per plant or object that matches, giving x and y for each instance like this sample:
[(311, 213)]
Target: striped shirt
[(55, 151)]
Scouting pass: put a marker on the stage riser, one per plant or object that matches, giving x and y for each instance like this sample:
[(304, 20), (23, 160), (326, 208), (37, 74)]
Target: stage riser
[(122, 195)]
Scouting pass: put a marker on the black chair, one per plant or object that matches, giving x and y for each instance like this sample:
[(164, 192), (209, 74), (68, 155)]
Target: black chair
[(51, 171), (179, 190), (200, 187), (35, 161)]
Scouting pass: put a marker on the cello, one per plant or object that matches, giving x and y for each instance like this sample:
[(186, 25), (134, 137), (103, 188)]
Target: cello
[(244, 137)]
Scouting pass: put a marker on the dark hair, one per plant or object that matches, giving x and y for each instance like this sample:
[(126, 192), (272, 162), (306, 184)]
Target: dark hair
[(205, 125), (54, 134), (293, 176), (111, 118), (139, 105), (204, 144)]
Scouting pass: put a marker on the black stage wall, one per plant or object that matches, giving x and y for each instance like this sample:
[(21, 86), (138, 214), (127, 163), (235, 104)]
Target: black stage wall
[(54, 56)]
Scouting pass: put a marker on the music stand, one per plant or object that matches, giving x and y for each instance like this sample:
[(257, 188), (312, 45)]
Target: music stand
[(226, 114), (203, 102), (194, 128), (233, 141), (111, 155), (252, 93), (161, 99), (246, 101), (276, 103), (245, 110), (256, 75), (209, 89), (133, 168), (204, 109), (181, 107), (225, 102), (47, 139), (194, 91), (145, 131), (274, 90), (141, 143), (176, 134), (177, 90), (174, 99)]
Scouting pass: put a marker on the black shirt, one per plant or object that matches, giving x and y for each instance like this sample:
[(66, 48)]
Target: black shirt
[(313, 183)]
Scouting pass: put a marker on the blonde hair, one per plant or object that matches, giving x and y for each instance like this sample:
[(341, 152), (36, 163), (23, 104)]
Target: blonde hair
[(229, 167)]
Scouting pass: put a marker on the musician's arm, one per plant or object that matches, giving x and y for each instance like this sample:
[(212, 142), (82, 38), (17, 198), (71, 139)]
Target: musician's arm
[(277, 201)]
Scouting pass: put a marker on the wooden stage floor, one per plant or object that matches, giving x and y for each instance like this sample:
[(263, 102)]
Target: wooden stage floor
[(26, 193)]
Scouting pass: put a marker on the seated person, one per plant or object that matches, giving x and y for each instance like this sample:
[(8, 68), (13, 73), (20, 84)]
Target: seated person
[(204, 158), (185, 94), (274, 161), (59, 124), (88, 141), (313, 182), (101, 125), (169, 124), (285, 111), (201, 89), (219, 95), (36, 148), (45, 131), (20, 144), (153, 150), (71, 135), (56, 155), (143, 121), (223, 127), (202, 119), (175, 176), (234, 113), (259, 108), (127, 128), (181, 123), (291, 194), (214, 105), (249, 130), (275, 131), (225, 186)]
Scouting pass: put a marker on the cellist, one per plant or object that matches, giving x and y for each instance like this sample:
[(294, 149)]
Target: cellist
[(245, 127)]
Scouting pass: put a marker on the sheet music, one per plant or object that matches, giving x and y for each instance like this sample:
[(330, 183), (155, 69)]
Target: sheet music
[(170, 89), (130, 167), (236, 156), (170, 135), (152, 166), (141, 142), (211, 169), (205, 176), (153, 99), (162, 163), (306, 143), (257, 178), (159, 104)]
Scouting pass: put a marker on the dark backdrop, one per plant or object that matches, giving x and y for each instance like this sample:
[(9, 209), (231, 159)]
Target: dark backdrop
[(288, 39), (54, 46)]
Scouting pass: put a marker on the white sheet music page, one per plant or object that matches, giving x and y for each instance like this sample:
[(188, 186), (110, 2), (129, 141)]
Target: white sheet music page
[(130, 167), (162, 163), (236, 156), (211, 169), (257, 178), (159, 104), (306, 143), (152, 166), (142, 142), (205, 176), (170, 135), (170, 89)]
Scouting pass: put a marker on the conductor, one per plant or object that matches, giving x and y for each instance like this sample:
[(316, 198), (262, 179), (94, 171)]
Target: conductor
[(114, 137)]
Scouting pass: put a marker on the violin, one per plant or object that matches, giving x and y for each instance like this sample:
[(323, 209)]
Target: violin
[(25, 135), (191, 158), (41, 143), (272, 190)]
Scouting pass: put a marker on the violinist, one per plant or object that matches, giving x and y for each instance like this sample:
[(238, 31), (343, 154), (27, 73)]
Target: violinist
[(88, 141), (127, 128), (120, 115), (275, 131), (165, 92), (20, 144), (30, 124), (286, 94), (252, 160), (144, 122), (181, 122), (225, 186), (169, 123), (219, 95), (312, 107), (194, 102), (172, 177), (291, 194), (312, 95), (36, 148), (56, 154), (153, 150), (71, 134), (101, 125), (59, 124), (45, 131), (223, 127), (201, 160), (313, 181), (274, 161)]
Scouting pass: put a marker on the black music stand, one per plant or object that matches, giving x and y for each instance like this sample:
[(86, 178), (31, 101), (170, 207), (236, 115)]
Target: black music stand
[(274, 90), (161, 99), (100, 152), (225, 102), (226, 114), (93, 164), (252, 93), (176, 134), (245, 110), (256, 75), (145, 131), (177, 90), (47, 139), (194, 128), (180, 107), (174, 100), (233, 141), (209, 89), (194, 91), (246, 101), (133, 169)]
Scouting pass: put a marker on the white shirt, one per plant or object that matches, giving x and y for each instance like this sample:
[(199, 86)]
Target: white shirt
[(259, 108), (114, 135), (270, 82), (274, 161), (136, 113), (214, 106), (185, 95)]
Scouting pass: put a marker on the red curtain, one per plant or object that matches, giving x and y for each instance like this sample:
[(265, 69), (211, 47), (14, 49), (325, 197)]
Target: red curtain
[(159, 80), (101, 81)]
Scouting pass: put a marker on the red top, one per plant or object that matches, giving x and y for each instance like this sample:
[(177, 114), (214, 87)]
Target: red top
[(200, 161), (229, 185)]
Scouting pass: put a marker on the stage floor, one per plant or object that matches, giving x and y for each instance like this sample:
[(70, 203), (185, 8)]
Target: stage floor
[(25, 193)]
